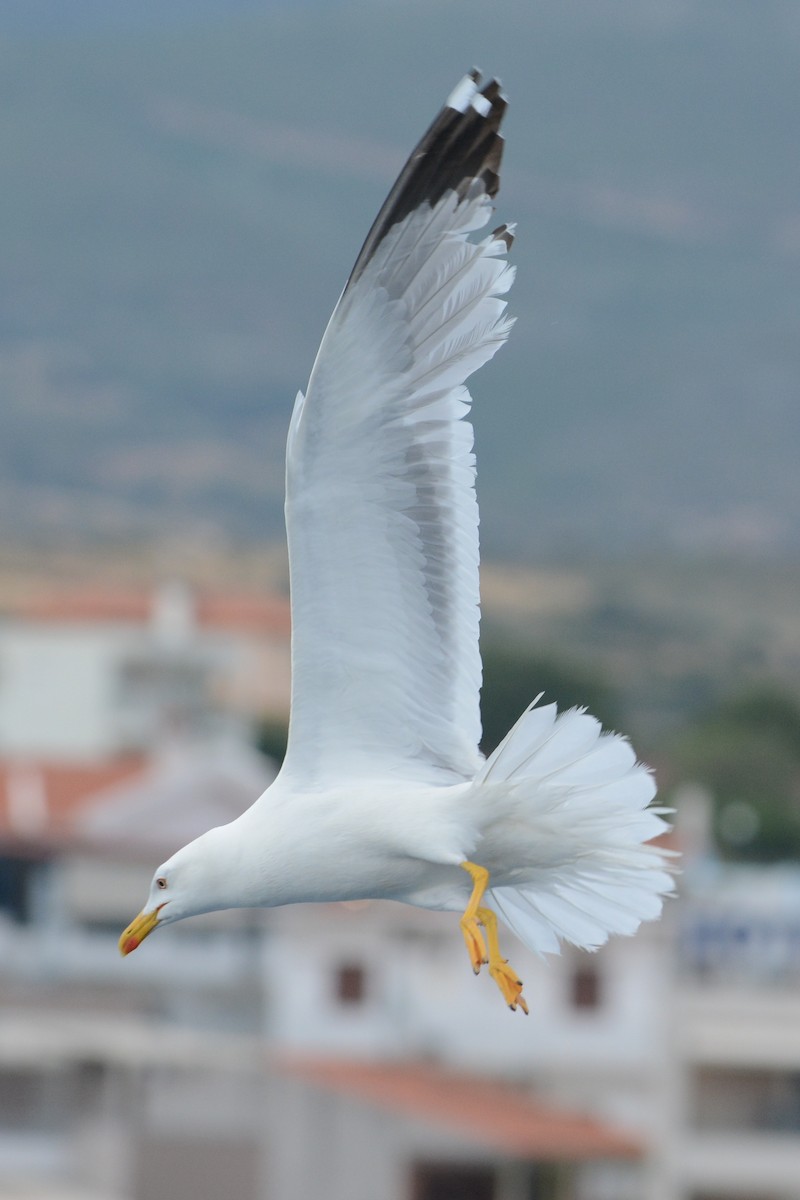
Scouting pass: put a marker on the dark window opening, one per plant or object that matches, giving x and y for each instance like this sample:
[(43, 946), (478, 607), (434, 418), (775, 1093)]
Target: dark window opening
[(351, 984), (23, 1097), (16, 875), (727, 1196), (453, 1181), (731, 1099), (585, 987)]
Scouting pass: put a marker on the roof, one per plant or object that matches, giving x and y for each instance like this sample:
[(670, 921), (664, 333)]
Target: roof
[(231, 611), (132, 803), (40, 800), (183, 791), (497, 1115)]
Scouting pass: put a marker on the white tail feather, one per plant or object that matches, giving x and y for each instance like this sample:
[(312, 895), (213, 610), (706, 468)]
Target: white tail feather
[(577, 814)]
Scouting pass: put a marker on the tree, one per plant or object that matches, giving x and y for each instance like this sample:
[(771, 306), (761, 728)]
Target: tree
[(271, 738), (747, 753), (513, 677)]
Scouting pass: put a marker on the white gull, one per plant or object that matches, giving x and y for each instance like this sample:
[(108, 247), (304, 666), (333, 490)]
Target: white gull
[(384, 792)]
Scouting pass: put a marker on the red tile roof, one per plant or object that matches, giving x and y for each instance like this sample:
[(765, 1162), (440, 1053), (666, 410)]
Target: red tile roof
[(239, 612), (256, 613), (496, 1115), (38, 800)]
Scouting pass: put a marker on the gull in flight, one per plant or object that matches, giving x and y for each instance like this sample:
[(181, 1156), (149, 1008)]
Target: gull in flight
[(384, 792)]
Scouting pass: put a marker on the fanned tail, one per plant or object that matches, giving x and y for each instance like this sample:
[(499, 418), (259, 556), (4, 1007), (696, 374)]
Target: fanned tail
[(579, 814)]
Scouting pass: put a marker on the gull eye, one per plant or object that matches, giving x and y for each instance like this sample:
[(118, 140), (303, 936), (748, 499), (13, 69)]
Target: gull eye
[(161, 882)]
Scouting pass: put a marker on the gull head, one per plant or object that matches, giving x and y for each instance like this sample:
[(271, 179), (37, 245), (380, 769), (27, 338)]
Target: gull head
[(196, 879)]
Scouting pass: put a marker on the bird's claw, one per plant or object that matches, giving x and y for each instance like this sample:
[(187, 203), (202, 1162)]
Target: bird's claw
[(511, 987)]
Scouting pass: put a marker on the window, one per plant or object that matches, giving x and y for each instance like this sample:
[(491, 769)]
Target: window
[(152, 679), (350, 984), (729, 1196), (452, 1181), (729, 1099), (22, 1100), (488, 1181), (16, 877), (585, 986), (151, 691)]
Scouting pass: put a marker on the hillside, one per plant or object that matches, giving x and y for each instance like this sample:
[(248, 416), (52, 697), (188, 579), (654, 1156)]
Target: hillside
[(665, 641), (183, 198)]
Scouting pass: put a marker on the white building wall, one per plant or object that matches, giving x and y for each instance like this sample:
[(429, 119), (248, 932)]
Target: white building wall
[(77, 692), (422, 1001), (57, 690)]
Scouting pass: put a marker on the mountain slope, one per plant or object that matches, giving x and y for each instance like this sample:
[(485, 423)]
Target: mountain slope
[(183, 201)]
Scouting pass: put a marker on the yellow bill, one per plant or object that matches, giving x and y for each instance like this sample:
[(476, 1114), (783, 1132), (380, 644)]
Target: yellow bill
[(138, 930)]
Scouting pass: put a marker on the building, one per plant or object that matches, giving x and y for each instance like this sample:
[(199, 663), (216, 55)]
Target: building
[(343, 1050), (730, 1069), (94, 674), (213, 1058)]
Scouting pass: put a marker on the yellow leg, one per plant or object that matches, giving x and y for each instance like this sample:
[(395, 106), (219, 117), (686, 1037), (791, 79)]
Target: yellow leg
[(476, 916), (503, 975), (470, 922)]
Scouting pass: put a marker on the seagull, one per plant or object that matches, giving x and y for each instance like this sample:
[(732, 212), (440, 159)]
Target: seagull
[(384, 793)]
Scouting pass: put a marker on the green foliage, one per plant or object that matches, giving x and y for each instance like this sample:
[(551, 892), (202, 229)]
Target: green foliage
[(513, 677), (271, 738), (747, 753)]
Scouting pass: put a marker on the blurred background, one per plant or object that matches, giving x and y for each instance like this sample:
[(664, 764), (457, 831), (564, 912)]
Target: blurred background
[(185, 187)]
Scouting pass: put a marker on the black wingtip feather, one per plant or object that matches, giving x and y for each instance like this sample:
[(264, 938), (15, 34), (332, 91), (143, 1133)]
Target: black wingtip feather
[(457, 149), (503, 234)]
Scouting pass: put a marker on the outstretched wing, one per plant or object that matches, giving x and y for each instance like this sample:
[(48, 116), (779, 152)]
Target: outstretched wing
[(381, 514)]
